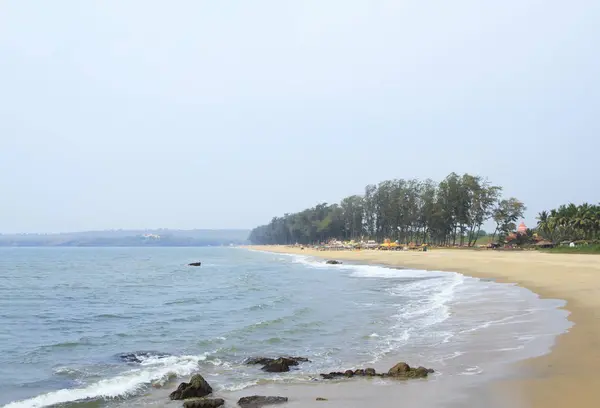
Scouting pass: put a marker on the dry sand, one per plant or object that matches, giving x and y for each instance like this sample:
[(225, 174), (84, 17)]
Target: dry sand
[(570, 374)]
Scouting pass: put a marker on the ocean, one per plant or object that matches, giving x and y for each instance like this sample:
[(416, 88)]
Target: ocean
[(121, 327)]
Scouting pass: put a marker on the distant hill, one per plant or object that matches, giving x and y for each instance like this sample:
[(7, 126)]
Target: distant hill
[(129, 238)]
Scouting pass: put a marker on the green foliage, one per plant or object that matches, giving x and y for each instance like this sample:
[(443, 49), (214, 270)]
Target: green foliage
[(570, 223), (579, 249), (449, 212), (506, 214)]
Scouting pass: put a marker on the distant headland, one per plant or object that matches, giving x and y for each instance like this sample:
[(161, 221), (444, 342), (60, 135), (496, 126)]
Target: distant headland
[(129, 238)]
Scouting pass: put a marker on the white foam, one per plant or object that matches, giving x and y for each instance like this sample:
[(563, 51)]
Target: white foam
[(154, 369), (476, 370)]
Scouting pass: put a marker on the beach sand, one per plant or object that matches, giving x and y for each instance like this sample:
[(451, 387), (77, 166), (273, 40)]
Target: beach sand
[(568, 376)]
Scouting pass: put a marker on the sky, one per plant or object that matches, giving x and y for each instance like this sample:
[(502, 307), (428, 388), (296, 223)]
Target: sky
[(222, 114)]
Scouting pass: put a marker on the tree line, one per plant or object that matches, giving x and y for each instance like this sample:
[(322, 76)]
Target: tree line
[(570, 223), (449, 212)]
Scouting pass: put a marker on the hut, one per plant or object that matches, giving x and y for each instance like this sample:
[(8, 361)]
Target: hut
[(544, 244)]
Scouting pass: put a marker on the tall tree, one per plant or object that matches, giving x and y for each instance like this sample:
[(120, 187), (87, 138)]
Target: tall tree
[(450, 212)]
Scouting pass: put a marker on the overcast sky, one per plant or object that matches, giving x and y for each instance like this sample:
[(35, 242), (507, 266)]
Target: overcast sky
[(222, 114)]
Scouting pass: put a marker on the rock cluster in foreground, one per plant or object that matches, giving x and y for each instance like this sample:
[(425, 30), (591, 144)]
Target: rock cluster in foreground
[(257, 401), (203, 403), (197, 389), (400, 371)]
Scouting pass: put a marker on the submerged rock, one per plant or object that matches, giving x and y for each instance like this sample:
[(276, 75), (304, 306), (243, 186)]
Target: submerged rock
[(195, 264), (259, 360), (333, 262), (139, 356), (204, 403), (333, 374), (322, 399), (279, 365), (257, 401), (197, 387)]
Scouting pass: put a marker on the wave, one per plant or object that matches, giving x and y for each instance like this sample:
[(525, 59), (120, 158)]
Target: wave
[(153, 370)]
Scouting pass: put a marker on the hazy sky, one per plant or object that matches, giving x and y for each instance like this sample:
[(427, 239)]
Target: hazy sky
[(221, 114)]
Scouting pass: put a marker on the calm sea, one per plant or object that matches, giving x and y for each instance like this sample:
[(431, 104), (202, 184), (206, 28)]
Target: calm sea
[(67, 315)]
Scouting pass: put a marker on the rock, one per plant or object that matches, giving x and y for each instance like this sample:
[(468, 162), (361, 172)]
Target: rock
[(197, 387), (204, 403), (335, 374), (139, 356), (399, 369), (259, 360), (300, 359), (403, 370), (257, 401), (370, 372), (195, 264), (322, 399), (281, 365), (291, 361), (420, 372), (333, 262)]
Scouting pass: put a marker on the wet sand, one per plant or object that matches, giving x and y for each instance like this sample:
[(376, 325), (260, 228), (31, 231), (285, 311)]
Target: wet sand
[(568, 375)]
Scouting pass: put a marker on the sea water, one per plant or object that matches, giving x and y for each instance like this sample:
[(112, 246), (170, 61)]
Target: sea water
[(68, 315)]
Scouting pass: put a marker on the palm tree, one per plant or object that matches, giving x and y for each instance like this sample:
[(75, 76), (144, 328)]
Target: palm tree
[(544, 224)]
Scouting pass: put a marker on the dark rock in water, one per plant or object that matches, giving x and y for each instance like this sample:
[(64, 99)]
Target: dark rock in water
[(257, 401), (322, 399), (403, 370), (197, 387), (370, 372), (204, 403), (332, 375), (195, 264), (420, 372), (280, 365), (292, 361), (139, 356), (259, 360), (399, 369), (300, 359), (333, 262)]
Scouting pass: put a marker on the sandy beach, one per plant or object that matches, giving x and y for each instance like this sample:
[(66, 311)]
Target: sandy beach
[(565, 377)]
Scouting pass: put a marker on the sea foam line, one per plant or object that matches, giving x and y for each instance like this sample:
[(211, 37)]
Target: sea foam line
[(127, 384)]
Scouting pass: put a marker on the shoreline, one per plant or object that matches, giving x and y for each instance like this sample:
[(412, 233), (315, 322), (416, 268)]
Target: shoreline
[(566, 375)]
